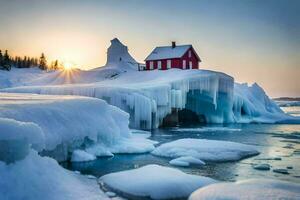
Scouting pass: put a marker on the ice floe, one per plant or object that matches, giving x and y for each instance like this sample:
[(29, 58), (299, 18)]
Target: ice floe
[(206, 150), (155, 182)]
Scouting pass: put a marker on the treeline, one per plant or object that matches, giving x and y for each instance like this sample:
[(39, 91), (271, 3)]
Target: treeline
[(7, 61)]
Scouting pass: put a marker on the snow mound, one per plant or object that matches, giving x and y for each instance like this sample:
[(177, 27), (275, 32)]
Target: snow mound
[(206, 150), (186, 161), (38, 177), (252, 189), (81, 156), (155, 182), (68, 122)]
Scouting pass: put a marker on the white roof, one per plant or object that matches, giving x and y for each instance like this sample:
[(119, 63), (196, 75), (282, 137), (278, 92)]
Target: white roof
[(168, 52)]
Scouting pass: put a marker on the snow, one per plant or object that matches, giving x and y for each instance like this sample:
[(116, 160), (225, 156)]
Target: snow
[(133, 144), (249, 189), (206, 150), (67, 122), (81, 156), (19, 77), (166, 52), (186, 161), (155, 182), (37, 177)]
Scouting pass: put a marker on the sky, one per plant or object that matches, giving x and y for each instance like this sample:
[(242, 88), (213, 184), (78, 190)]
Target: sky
[(251, 40)]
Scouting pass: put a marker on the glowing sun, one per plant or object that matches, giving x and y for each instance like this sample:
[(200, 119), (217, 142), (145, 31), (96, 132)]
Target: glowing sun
[(68, 65)]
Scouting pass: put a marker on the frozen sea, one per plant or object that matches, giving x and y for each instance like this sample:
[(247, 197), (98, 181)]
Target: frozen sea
[(279, 145)]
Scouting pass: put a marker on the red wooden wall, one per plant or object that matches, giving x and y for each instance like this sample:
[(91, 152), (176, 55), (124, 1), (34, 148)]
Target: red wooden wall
[(176, 62)]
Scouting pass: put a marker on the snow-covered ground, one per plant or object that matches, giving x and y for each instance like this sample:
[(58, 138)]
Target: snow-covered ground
[(26, 175), (149, 96), (37, 177), (206, 150), (252, 189), (154, 181)]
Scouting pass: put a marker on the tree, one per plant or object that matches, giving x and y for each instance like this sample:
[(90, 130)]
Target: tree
[(43, 62), (1, 58), (6, 59), (6, 63)]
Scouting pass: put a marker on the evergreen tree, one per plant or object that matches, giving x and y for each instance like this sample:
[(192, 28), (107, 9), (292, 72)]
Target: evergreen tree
[(1, 58), (6, 59), (43, 62), (56, 65), (6, 63)]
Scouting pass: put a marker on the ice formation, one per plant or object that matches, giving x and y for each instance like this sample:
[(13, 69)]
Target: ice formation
[(118, 56), (249, 189), (155, 182), (65, 123), (206, 150), (161, 97)]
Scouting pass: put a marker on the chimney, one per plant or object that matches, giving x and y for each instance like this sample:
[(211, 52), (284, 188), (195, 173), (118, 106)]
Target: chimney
[(173, 44)]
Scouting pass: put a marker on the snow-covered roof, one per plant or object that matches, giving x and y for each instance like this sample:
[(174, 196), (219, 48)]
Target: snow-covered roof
[(166, 52)]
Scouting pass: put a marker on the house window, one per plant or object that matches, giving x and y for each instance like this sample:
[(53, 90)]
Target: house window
[(159, 64), (184, 64), (190, 53), (151, 64), (168, 64), (190, 64)]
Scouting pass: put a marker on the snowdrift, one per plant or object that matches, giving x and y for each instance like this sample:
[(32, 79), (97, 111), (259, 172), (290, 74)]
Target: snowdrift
[(157, 97)]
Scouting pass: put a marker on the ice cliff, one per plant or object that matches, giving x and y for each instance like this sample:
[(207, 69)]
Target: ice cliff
[(162, 97)]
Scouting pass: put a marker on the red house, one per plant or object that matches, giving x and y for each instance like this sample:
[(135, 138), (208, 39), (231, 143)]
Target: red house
[(167, 57)]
